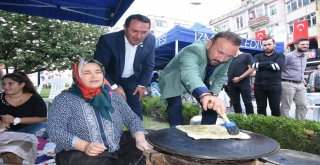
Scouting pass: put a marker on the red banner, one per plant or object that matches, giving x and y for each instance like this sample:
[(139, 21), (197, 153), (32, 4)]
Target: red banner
[(300, 30), (261, 34)]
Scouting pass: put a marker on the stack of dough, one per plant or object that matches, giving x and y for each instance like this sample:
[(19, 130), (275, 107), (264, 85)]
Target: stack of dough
[(210, 132)]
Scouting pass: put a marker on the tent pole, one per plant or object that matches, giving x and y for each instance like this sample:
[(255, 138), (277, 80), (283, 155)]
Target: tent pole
[(176, 47)]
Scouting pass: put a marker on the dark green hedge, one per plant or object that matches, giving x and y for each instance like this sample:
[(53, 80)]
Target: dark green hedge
[(152, 107), (290, 133), (300, 135)]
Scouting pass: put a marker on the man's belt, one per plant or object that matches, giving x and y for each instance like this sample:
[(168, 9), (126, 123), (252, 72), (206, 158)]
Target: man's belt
[(296, 82)]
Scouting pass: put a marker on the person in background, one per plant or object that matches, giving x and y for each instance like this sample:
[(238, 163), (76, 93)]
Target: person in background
[(21, 110), (86, 122), (267, 84), (314, 80), (1, 74), (293, 88), (199, 69), (128, 56), (155, 77), (239, 82)]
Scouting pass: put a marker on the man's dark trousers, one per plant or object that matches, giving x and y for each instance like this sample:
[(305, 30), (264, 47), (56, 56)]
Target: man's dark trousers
[(243, 88), (129, 86), (271, 93), (174, 113)]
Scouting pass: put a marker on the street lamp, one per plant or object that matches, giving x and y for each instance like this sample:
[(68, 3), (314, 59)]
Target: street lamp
[(195, 2), (193, 10)]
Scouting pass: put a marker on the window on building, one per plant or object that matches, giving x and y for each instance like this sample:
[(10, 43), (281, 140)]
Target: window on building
[(311, 21), (271, 29), (221, 27), (161, 23), (239, 22), (273, 10), (295, 4), (299, 3), (266, 9), (259, 12), (306, 2), (251, 14), (288, 8), (291, 27)]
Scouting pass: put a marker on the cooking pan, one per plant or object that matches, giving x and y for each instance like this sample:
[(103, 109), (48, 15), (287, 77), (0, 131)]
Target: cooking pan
[(175, 142)]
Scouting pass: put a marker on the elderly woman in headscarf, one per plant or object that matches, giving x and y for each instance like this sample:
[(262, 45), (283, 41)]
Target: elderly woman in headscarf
[(86, 122)]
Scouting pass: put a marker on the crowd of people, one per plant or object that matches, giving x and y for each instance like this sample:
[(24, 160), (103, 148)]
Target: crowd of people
[(86, 121)]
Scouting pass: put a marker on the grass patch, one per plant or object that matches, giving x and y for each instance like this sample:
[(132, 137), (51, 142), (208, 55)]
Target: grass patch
[(45, 92), (150, 123)]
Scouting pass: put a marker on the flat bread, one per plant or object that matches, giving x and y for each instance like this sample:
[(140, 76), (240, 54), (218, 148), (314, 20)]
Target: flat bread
[(210, 132)]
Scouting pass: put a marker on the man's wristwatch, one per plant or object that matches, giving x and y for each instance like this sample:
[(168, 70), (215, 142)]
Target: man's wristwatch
[(16, 121)]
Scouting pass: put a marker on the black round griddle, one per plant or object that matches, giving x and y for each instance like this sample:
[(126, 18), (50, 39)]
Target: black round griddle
[(176, 142)]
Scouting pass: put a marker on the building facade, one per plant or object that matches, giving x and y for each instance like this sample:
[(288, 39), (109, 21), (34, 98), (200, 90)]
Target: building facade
[(161, 24), (276, 17)]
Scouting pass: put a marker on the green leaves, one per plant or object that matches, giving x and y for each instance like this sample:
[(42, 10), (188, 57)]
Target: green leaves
[(300, 135), (32, 43), (152, 106)]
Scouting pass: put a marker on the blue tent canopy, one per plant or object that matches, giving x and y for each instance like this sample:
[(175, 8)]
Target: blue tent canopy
[(99, 12), (170, 43)]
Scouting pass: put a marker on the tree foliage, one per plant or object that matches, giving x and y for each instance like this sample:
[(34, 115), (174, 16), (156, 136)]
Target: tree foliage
[(33, 44)]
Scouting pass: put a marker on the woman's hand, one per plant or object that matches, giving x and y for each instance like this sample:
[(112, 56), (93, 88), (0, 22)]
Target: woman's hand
[(90, 149), (94, 149), (7, 119), (4, 125), (141, 142)]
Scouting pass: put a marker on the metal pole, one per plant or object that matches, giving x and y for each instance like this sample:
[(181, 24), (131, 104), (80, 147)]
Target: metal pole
[(176, 47), (318, 21)]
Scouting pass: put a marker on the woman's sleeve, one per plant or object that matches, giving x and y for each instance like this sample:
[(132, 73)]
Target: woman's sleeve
[(58, 117), (130, 119)]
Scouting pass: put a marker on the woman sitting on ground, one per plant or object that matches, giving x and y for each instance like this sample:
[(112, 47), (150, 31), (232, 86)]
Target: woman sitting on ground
[(86, 122), (22, 109)]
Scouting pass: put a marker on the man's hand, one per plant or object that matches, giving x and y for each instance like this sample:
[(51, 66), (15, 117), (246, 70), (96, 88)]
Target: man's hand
[(140, 91), (312, 89), (214, 103), (7, 119), (236, 80), (121, 92)]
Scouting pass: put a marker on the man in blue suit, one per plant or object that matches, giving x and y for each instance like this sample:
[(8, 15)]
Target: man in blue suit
[(128, 56)]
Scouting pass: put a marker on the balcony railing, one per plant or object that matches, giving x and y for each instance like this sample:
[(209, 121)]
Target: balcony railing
[(255, 22)]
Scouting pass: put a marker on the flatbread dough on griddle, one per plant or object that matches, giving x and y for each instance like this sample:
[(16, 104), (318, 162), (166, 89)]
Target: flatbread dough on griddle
[(210, 132)]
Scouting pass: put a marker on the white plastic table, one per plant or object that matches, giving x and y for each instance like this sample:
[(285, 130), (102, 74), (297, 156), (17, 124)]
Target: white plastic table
[(313, 102)]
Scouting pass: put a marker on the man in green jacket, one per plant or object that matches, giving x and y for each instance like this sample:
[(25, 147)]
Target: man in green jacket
[(199, 69)]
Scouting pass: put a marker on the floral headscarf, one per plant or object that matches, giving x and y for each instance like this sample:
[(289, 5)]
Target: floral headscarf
[(99, 98)]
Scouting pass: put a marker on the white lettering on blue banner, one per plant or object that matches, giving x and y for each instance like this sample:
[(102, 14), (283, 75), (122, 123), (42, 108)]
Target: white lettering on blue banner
[(202, 36), (251, 44), (161, 40)]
